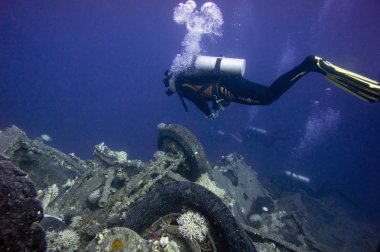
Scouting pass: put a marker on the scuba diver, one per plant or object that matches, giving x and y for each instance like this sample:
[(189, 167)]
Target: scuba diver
[(220, 81)]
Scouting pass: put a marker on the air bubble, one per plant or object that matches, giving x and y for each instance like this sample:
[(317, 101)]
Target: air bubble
[(207, 21)]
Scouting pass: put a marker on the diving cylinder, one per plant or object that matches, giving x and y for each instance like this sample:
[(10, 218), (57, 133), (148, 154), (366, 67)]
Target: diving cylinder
[(220, 66)]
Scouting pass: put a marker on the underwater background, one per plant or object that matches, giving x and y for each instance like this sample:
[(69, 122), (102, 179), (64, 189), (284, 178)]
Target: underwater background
[(86, 72)]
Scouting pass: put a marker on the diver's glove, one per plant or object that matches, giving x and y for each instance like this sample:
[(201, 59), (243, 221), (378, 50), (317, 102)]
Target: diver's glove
[(218, 104)]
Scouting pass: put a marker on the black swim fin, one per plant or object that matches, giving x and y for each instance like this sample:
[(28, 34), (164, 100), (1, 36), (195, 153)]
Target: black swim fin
[(358, 85)]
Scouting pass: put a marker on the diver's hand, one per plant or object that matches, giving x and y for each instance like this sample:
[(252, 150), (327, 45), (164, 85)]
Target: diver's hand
[(219, 104), (213, 115)]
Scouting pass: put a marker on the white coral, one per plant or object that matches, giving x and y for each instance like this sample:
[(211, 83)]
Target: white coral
[(76, 221), (193, 226), (121, 157), (66, 240), (205, 181), (69, 183), (50, 194), (94, 196)]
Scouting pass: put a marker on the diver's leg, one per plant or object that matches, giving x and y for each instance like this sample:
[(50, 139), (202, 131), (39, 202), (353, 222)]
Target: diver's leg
[(247, 92), (283, 83)]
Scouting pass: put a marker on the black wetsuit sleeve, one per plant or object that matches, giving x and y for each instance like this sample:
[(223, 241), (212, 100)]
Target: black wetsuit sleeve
[(203, 106), (197, 99)]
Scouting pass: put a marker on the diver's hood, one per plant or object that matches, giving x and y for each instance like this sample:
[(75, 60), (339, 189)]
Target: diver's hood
[(171, 84)]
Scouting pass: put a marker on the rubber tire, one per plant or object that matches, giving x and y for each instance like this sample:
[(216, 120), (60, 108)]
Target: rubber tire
[(195, 155), (173, 197)]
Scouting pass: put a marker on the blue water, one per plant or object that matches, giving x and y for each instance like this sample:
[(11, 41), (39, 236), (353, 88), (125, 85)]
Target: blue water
[(86, 72)]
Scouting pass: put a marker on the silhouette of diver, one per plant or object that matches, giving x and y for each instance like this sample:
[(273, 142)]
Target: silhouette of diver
[(253, 135), (221, 89)]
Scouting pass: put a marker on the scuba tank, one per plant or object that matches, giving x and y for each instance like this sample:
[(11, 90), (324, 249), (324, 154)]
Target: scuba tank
[(219, 66)]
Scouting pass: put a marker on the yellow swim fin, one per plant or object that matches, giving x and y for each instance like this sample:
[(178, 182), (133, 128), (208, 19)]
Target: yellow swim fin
[(358, 85)]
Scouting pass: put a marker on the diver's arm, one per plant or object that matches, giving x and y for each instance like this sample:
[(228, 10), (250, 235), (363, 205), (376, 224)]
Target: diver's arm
[(203, 106), (197, 99)]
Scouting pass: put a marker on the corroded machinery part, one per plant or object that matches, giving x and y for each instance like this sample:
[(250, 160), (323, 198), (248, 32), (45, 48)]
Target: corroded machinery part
[(174, 138), (139, 185), (20, 211), (45, 165), (173, 197), (110, 157), (106, 189)]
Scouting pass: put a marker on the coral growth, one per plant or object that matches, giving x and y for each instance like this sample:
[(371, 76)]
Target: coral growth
[(205, 181), (67, 240), (193, 226), (49, 195)]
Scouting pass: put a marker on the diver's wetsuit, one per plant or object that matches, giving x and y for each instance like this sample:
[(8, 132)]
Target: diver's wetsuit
[(200, 90)]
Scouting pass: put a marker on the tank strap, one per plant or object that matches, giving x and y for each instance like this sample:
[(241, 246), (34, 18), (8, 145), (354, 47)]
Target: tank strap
[(217, 65), (215, 89)]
